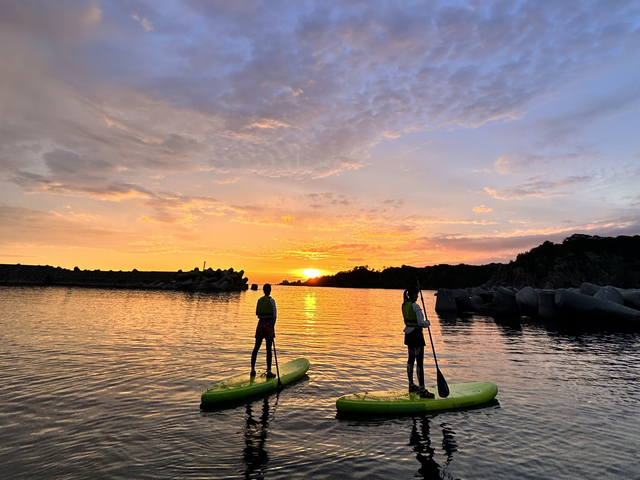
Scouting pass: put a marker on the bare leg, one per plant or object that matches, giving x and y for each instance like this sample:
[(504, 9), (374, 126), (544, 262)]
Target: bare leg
[(254, 354), (269, 343), (420, 369), (410, 362)]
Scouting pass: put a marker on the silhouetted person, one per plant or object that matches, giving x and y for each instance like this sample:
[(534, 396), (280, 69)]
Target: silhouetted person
[(414, 321), (267, 313)]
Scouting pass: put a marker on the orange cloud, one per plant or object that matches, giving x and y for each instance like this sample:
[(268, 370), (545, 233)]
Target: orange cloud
[(482, 209)]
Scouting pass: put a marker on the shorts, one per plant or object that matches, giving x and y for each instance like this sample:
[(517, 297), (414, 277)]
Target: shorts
[(414, 339), (266, 329)]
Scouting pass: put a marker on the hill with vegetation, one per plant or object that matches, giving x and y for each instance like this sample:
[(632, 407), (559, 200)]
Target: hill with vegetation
[(579, 258)]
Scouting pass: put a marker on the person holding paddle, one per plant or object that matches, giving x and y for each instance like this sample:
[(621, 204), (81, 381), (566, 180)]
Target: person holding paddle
[(414, 322), (267, 313)]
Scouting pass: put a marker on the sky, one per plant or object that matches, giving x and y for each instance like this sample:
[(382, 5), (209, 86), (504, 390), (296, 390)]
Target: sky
[(278, 136)]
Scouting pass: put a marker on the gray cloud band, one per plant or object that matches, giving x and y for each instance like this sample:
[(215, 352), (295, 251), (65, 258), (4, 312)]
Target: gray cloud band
[(101, 93)]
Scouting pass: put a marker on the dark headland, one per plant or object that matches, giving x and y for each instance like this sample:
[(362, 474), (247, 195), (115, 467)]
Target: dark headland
[(578, 259), (208, 280), (588, 279)]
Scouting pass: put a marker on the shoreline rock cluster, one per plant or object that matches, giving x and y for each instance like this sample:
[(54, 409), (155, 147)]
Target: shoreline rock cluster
[(590, 303), (208, 280)]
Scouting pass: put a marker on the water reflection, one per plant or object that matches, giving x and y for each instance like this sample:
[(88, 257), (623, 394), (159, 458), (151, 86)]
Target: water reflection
[(510, 328), (255, 454), (310, 306), (420, 440)]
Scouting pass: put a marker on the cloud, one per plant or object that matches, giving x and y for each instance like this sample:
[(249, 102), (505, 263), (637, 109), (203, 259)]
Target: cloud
[(537, 187), (146, 24), (482, 209), (513, 162), (608, 106), (289, 90), (32, 182), (32, 227), (504, 247)]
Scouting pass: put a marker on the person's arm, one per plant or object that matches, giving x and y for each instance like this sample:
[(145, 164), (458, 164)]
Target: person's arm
[(275, 312), (422, 321)]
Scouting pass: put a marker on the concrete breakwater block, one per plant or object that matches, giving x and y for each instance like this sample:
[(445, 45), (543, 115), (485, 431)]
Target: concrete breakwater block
[(590, 289), (527, 298), (599, 303), (631, 298), (445, 301), (611, 294), (592, 308), (504, 302), (547, 307)]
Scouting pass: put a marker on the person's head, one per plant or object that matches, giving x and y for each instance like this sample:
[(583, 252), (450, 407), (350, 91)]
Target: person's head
[(411, 293), (267, 289)]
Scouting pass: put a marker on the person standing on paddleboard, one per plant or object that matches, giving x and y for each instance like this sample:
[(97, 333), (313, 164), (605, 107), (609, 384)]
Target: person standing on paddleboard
[(414, 322), (267, 313)]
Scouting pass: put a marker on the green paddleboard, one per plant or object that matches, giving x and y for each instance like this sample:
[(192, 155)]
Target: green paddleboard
[(398, 402), (244, 386)]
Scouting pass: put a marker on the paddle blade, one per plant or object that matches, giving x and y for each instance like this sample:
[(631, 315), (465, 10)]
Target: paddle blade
[(443, 388)]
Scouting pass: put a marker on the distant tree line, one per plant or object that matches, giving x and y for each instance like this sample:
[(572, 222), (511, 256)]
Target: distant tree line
[(579, 258)]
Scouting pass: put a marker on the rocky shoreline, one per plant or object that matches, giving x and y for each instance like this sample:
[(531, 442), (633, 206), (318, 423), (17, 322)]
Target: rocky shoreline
[(606, 305), (208, 280)]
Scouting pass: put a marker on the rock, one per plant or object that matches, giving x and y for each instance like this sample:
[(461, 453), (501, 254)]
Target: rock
[(631, 298), (590, 289), (463, 302), (547, 307), (158, 280), (504, 302), (479, 291), (527, 298), (479, 305), (609, 293), (595, 309), (445, 301), (254, 286)]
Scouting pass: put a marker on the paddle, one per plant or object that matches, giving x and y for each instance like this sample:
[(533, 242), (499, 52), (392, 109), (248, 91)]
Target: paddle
[(443, 388), (275, 354)]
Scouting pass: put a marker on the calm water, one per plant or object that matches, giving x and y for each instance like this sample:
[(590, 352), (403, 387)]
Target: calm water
[(107, 384)]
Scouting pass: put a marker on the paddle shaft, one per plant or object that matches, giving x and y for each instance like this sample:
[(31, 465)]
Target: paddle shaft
[(428, 329), (275, 354), (443, 388)]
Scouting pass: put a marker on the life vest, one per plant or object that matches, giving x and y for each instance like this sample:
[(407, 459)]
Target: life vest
[(409, 314), (264, 309)]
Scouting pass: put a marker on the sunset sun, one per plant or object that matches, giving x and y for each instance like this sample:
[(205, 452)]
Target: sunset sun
[(311, 273)]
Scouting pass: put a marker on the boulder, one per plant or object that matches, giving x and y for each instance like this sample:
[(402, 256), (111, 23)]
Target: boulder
[(527, 298), (610, 293), (504, 302), (463, 302), (590, 289), (479, 305), (547, 307), (595, 309), (631, 298), (445, 301), (478, 291)]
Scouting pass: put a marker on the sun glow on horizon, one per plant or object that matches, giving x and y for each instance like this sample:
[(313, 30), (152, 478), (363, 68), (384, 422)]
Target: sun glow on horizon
[(311, 273)]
